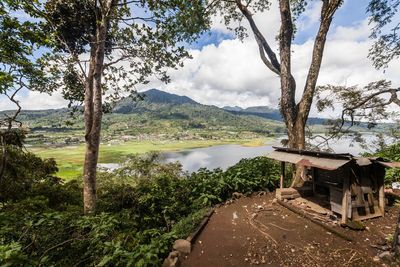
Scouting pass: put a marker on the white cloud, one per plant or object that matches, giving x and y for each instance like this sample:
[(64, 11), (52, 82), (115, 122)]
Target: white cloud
[(231, 73), (310, 16), (34, 101)]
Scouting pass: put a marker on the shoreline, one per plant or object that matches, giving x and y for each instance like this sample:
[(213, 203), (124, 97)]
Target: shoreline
[(70, 158)]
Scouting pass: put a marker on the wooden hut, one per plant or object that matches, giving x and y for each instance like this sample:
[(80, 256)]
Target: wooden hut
[(350, 186)]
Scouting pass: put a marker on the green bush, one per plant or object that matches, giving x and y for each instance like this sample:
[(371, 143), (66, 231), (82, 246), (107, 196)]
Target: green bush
[(22, 171), (142, 208), (391, 153)]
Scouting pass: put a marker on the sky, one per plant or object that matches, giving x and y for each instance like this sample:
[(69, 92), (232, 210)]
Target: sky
[(225, 71)]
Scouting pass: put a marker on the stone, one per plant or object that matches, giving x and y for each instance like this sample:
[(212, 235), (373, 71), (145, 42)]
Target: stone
[(237, 195), (333, 217), (174, 254), (172, 260), (183, 246), (376, 259), (386, 255), (275, 200)]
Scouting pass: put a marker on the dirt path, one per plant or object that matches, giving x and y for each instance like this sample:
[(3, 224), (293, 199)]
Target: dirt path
[(254, 231)]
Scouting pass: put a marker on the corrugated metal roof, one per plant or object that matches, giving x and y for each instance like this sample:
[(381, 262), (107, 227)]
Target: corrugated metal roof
[(389, 164), (315, 153), (323, 160), (363, 161), (310, 161)]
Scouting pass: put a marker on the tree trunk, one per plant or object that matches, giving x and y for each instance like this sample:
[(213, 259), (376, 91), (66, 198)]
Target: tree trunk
[(93, 117), (297, 140)]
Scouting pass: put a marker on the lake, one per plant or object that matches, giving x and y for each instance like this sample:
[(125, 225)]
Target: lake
[(224, 156)]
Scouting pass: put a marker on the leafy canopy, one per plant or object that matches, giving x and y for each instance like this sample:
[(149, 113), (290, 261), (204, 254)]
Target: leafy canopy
[(144, 39)]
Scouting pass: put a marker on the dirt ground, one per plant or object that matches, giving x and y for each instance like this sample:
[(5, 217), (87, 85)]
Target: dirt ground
[(255, 231)]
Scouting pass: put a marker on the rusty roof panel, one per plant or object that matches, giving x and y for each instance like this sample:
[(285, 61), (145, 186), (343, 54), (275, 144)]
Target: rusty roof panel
[(314, 153), (363, 161), (389, 164), (310, 161)]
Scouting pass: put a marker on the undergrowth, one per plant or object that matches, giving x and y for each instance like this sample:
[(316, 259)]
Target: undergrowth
[(142, 208)]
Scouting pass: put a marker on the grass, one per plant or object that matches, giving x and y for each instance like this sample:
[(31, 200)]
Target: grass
[(257, 142), (70, 158)]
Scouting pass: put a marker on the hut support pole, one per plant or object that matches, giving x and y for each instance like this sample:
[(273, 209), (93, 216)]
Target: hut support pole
[(282, 174), (314, 177), (345, 200), (382, 195)]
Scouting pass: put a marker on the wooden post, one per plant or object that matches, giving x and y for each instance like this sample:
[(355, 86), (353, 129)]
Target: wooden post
[(382, 194), (345, 199), (314, 176), (282, 174)]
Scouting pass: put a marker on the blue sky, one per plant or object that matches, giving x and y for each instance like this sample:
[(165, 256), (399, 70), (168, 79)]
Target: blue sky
[(226, 71), (352, 11)]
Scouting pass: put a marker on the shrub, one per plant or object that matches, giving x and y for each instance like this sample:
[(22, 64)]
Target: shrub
[(142, 208), (391, 153)]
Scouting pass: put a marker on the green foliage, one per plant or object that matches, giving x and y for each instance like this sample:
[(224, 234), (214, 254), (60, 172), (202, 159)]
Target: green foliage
[(148, 36), (142, 208), (391, 153), (24, 171), (383, 16), (20, 39)]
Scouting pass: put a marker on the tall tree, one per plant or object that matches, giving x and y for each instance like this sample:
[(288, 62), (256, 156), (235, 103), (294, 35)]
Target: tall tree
[(295, 114), (104, 48), (385, 31), (378, 100), (20, 41)]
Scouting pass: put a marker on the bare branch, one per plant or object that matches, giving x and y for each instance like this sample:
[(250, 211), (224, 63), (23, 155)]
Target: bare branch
[(259, 37), (327, 11)]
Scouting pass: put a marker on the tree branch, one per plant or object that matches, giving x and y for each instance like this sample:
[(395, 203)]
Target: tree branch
[(273, 63), (327, 11)]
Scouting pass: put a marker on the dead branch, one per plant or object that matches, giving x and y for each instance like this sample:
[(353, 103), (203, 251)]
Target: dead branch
[(284, 229), (253, 222)]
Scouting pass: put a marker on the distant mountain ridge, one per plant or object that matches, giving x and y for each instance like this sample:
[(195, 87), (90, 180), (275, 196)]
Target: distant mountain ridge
[(155, 99), (259, 111), (158, 96), (180, 111), (151, 99)]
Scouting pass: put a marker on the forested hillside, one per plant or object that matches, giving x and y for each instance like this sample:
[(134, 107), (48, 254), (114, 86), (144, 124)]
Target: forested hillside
[(161, 115)]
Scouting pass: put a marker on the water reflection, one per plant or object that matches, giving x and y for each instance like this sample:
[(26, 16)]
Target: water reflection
[(225, 156), (214, 157)]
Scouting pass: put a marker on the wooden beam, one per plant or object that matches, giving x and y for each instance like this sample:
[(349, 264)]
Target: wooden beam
[(312, 219), (282, 174), (381, 194), (345, 199)]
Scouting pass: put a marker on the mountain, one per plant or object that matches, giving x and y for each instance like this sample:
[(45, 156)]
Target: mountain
[(187, 113), (158, 96), (152, 97), (267, 113), (163, 114), (259, 111), (235, 108)]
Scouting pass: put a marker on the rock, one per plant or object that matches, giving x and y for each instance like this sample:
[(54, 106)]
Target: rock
[(333, 217), (382, 242), (376, 259), (237, 195), (275, 200), (172, 260), (386, 255), (234, 215), (174, 254), (182, 246)]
